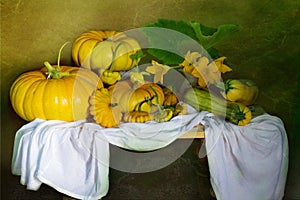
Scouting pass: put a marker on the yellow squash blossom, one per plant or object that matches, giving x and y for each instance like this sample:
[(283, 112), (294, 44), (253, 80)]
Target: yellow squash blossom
[(138, 77), (209, 72), (200, 67), (190, 59), (221, 66), (158, 70)]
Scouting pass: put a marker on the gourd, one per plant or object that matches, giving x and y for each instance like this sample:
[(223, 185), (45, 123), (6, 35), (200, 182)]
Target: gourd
[(170, 98), (240, 90), (101, 50), (201, 100), (160, 114), (137, 99), (104, 108), (54, 93)]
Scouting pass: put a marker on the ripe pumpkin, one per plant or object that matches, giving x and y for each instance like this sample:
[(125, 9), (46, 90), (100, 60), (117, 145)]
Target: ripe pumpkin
[(99, 50), (137, 99), (62, 94), (104, 108), (54, 92)]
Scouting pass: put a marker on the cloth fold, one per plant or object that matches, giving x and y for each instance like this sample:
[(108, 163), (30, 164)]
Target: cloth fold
[(247, 162), (50, 152), (74, 157)]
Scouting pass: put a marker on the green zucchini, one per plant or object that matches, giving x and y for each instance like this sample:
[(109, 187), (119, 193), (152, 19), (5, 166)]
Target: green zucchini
[(202, 100)]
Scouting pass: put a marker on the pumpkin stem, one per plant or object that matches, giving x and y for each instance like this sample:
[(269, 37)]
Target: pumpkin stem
[(56, 72), (161, 111), (114, 56), (111, 105), (138, 55), (156, 95), (59, 54)]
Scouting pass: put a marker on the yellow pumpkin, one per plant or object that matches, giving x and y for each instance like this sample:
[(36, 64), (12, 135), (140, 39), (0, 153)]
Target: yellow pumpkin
[(170, 98), (54, 93), (241, 90), (100, 50), (105, 109), (137, 99)]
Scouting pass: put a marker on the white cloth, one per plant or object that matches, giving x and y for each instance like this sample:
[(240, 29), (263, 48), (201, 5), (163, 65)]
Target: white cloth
[(247, 162), (51, 152), (74, 157)]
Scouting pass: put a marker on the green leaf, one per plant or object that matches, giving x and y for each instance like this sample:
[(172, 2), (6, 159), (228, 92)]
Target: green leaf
[(208, 37), (179, 26), (169, 41), (165, 57), (213, 52), (139, 54)]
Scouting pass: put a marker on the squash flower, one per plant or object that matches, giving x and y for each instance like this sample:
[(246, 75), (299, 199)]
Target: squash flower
[(221, 66), (158, 70), (200, 67), (138, 77)]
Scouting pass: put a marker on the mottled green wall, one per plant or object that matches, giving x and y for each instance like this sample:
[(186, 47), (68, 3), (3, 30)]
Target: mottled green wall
[(266, 49)]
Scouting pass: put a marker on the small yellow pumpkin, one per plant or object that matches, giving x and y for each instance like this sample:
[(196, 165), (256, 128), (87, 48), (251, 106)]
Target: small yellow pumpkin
[(104, 108), (137, 99), (100, 50), (170, 98), (240, 90)]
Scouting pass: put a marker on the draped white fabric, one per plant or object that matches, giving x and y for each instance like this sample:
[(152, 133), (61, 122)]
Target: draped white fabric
[(247, 162)]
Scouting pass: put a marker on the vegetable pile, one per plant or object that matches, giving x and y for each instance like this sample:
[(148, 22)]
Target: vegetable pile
[(110, 84)]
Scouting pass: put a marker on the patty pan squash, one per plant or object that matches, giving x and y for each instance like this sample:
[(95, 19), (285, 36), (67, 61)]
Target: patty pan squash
[(106, 112)]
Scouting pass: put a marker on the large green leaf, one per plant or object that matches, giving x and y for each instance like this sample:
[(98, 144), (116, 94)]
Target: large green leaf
[(205, 36), (179, 26), (208, 37)]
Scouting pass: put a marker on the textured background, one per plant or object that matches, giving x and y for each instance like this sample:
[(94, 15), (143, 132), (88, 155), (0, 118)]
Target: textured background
[(266, 49)]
